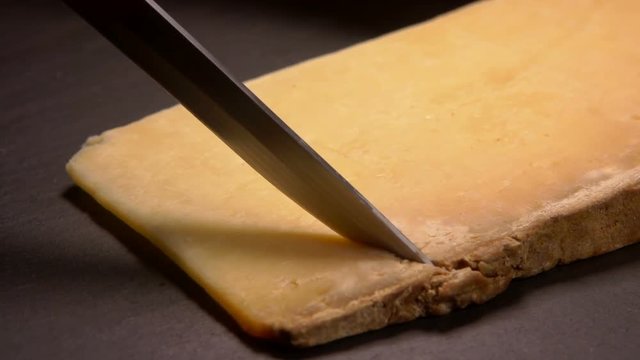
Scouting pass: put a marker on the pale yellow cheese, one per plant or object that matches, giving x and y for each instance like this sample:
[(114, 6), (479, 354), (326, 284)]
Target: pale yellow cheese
[(456, 129)]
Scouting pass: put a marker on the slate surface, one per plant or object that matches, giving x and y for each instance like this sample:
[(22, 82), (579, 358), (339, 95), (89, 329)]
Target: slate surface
[(76, 283)]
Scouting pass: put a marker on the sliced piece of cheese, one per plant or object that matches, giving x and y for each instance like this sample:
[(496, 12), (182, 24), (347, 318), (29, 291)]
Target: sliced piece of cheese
[(502, 139)]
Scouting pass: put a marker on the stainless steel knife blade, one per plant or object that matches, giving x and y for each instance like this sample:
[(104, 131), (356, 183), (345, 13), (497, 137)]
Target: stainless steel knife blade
[(143, 31)]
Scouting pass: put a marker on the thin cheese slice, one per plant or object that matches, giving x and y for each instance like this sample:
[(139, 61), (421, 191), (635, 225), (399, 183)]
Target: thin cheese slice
[(502, 139)]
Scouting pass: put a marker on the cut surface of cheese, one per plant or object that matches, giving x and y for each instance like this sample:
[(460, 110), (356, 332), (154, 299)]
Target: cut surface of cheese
[(502, 138)]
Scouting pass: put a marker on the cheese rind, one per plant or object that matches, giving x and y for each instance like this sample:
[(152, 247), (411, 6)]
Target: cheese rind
[(501, 148)]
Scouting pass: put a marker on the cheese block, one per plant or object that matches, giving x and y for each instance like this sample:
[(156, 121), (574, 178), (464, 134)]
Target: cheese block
[(502, 138)]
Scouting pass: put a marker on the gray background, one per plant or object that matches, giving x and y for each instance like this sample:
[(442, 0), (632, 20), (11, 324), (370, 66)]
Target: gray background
[(75, 282)]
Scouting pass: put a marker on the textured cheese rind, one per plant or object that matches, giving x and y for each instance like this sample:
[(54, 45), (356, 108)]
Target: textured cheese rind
[(503, 138)]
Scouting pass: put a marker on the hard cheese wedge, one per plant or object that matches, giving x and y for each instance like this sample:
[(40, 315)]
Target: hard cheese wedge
[(503, 139)]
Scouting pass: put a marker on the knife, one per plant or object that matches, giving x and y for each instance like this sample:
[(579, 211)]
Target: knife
[(144, 32)]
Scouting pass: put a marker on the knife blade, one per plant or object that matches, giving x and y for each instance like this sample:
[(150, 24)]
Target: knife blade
[(144, 32)]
